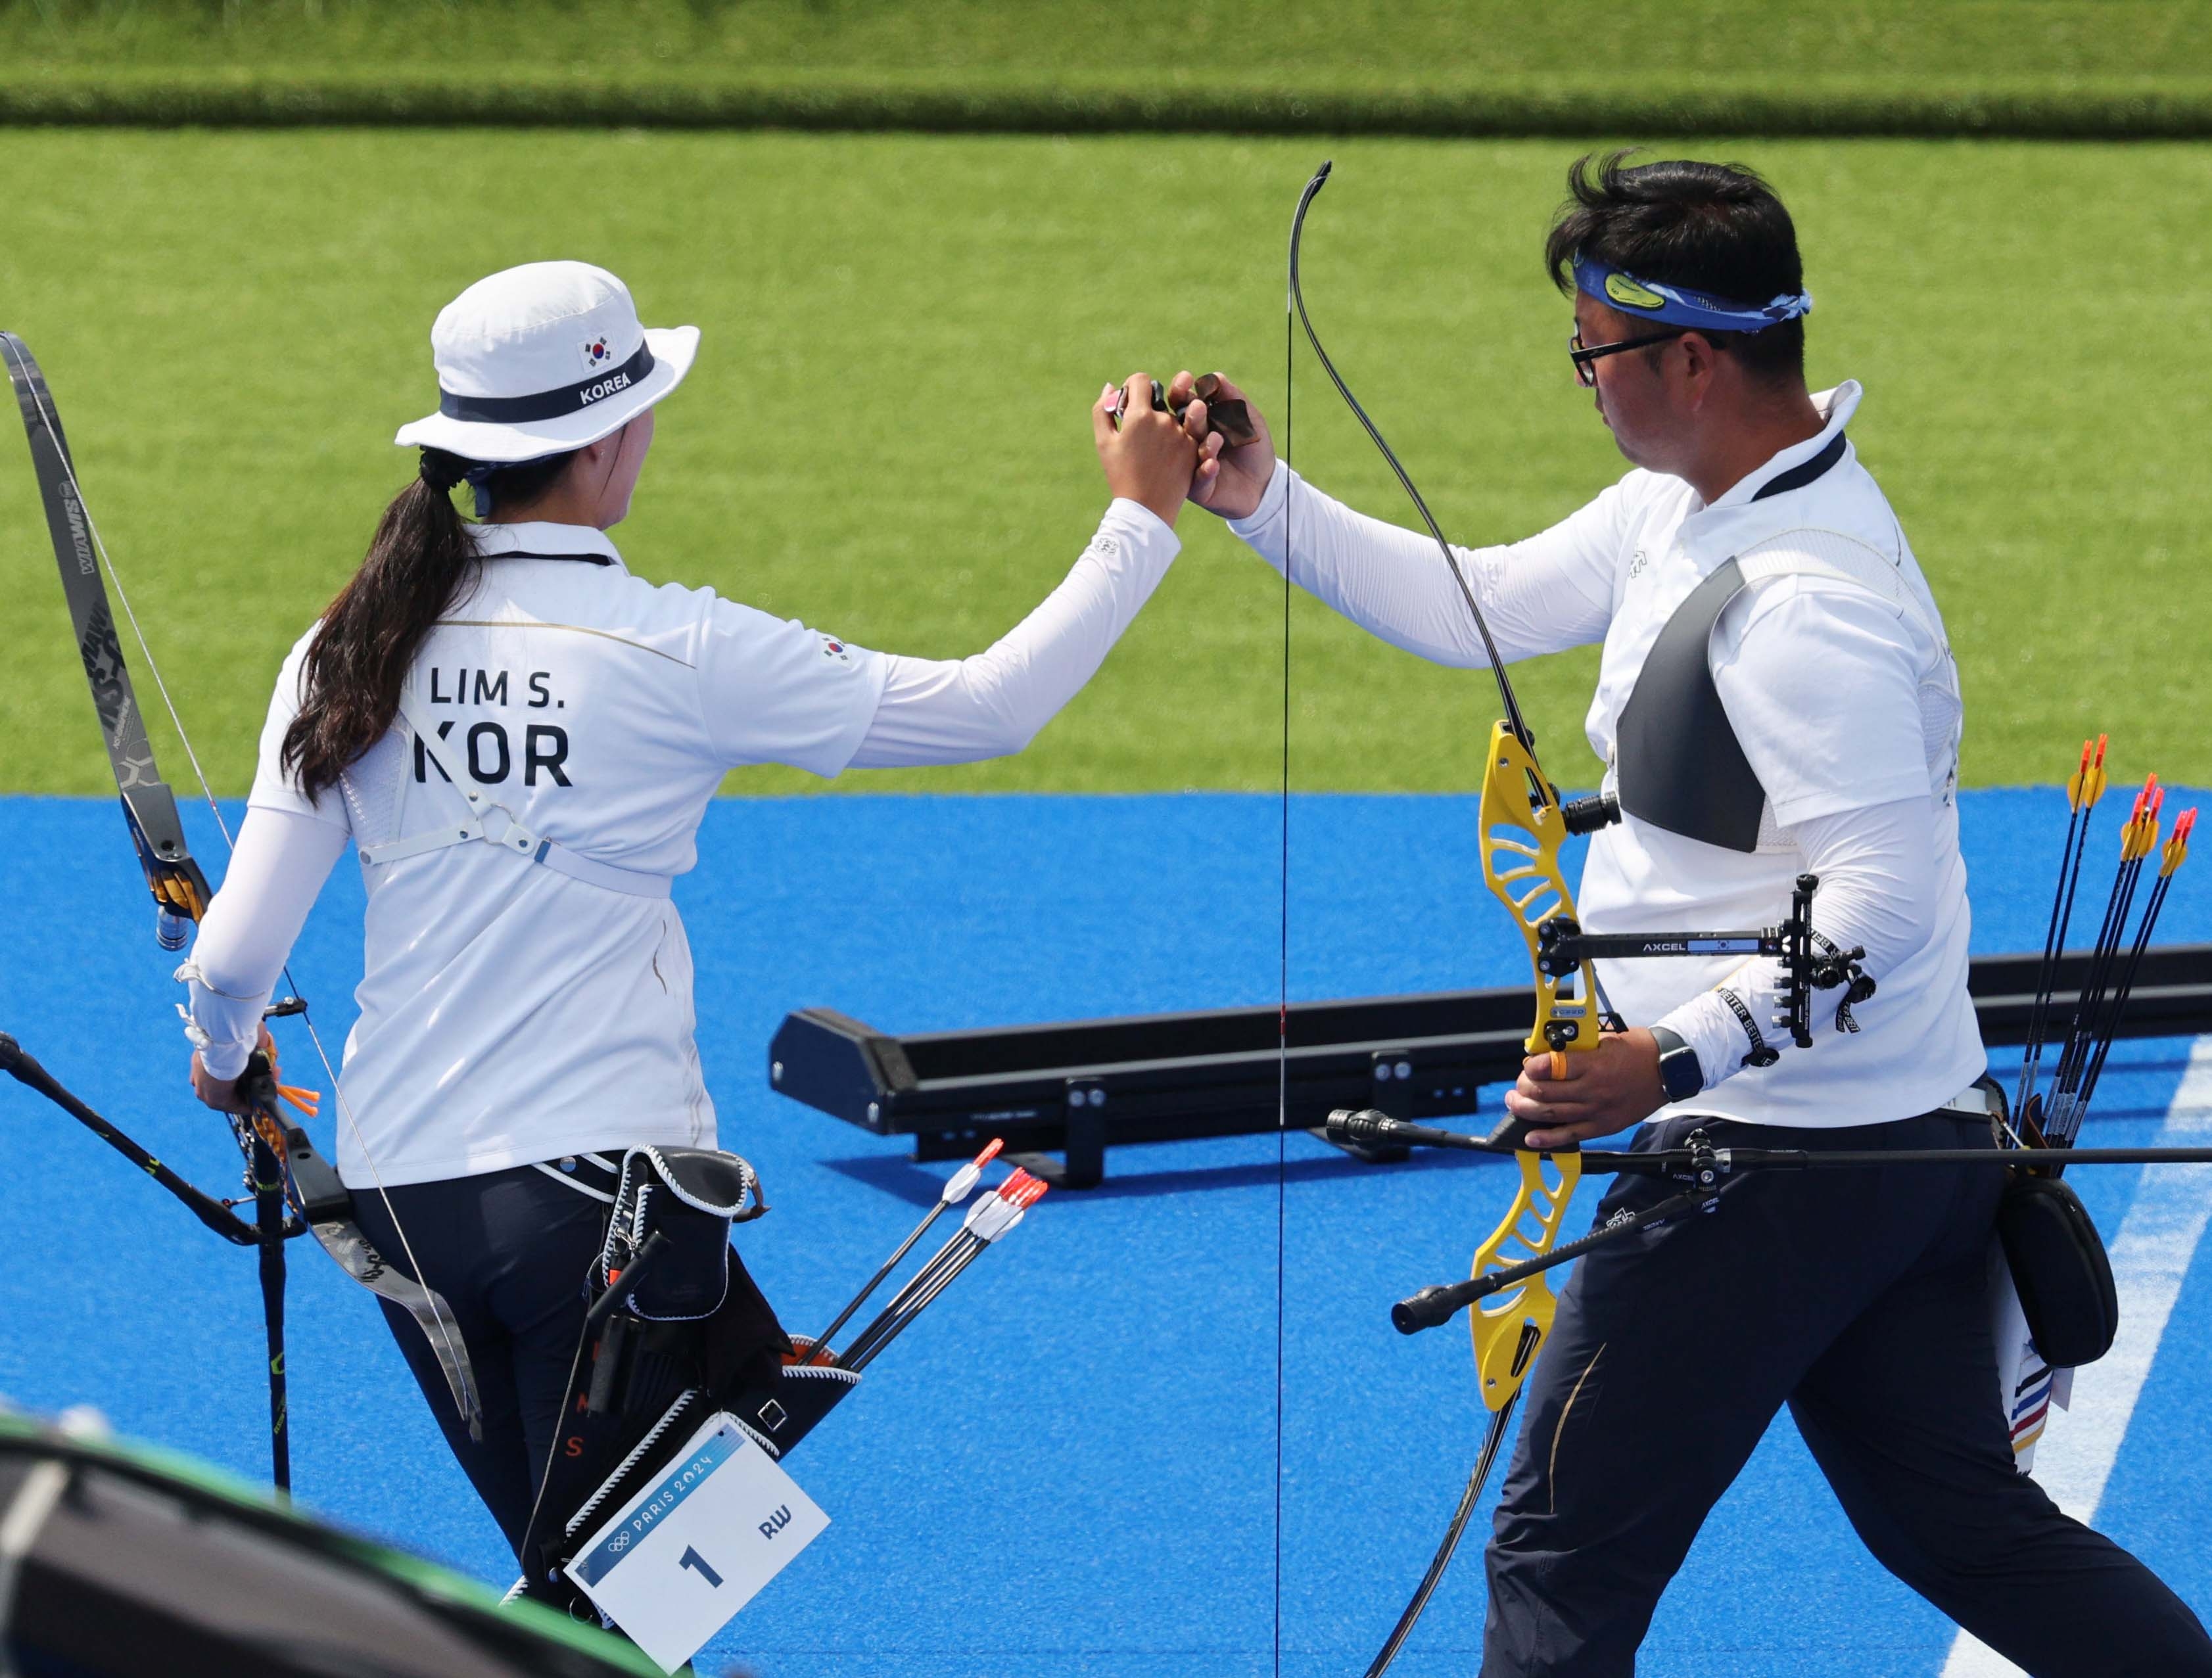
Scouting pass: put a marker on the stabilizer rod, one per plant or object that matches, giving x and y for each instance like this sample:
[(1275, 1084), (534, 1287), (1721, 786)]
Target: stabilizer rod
[(211, 1212)]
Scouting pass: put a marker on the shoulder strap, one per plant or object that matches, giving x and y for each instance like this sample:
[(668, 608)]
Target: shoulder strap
[(492, 822)]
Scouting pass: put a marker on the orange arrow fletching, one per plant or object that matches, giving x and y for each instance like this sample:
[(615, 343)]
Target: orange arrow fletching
[(2177, 848), (2092, 785), (2087, 785), (2140, 837)]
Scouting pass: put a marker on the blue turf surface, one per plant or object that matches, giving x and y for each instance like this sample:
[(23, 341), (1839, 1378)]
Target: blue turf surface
[(1068, 1468)]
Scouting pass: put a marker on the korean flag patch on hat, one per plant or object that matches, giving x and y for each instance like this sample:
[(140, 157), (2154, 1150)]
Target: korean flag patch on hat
[(549, 356)]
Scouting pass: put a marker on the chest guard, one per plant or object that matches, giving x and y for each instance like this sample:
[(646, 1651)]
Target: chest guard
[(1678, 763), (1680, 766)]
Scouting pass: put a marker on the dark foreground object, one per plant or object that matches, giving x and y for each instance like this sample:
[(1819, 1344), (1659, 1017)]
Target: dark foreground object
[(1080, 1087), (124, 1561)]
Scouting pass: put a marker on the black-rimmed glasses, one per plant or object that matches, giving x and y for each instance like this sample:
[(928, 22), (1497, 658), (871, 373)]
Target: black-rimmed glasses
[(1584, 357)]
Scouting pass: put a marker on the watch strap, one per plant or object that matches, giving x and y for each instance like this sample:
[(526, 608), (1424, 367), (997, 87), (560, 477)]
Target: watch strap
[(1679, 1074)]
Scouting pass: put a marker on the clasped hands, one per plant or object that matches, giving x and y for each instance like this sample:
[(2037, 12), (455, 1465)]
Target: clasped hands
[(1161, 457)]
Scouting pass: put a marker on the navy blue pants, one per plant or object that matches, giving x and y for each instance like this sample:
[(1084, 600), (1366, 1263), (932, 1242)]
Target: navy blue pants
[(1860, 1299), (511, 1251)]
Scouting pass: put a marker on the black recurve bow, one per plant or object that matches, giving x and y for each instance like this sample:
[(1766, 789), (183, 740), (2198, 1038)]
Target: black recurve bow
[(296, 1189)]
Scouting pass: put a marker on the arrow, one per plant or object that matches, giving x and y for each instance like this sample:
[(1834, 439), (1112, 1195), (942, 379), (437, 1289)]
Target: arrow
[(955, 1191)]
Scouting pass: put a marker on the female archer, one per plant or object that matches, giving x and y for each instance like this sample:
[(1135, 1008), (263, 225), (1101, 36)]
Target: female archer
[(521, 737)]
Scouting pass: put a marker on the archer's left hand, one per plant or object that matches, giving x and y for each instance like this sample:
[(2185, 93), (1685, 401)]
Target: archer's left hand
[(1602, 1093), (222, 1093)]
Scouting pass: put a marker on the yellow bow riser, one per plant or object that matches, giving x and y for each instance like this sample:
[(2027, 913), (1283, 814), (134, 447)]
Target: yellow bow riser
[(1530, 1229), (1522, 828)]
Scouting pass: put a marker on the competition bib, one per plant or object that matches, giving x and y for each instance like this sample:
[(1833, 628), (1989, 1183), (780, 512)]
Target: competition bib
[(677, 1562)]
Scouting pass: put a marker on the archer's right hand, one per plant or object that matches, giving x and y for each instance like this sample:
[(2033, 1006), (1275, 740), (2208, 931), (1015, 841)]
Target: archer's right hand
[(1150, 459), (1234, 488)]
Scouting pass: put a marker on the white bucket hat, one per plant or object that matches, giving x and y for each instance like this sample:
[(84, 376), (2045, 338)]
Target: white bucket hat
[(540, 359)]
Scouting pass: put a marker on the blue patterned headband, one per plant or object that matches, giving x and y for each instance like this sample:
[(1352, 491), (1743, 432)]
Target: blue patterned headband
[(1679, 307)]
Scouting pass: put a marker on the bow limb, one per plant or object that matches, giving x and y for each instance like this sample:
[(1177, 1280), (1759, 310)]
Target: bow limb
[(1522, 826), (180, 890), (1508, 1329), (1493, 1437), (1513, 718), (1522, 823)]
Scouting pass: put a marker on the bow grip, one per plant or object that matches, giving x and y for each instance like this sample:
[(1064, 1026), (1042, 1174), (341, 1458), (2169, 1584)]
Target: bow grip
[(317, 1191), (1512, 1133)]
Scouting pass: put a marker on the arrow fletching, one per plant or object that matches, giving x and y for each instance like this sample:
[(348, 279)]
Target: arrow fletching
[(2087, 784), (2140, 833), (962, 1181), (2177, 848)]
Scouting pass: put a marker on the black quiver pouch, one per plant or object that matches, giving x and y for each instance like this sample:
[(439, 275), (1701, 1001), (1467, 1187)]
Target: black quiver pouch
[(677, 1336), (2059, 1270), (657, 1326)]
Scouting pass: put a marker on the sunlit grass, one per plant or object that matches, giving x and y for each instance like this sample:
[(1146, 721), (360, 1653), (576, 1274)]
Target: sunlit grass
[(886, 435)]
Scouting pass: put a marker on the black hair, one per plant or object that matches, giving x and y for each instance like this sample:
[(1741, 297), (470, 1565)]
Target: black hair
[(423, 556), (1711, 226)]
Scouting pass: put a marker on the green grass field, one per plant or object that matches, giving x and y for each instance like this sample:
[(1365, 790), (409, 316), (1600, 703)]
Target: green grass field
[(886, 435), (2081, 69), (1344, 42)]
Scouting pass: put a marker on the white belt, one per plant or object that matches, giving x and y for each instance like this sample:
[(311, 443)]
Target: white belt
[(495, 824), (1977, 1101)]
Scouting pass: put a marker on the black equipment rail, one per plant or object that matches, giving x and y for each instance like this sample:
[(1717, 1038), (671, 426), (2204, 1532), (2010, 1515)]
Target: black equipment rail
[(1078, 1087)]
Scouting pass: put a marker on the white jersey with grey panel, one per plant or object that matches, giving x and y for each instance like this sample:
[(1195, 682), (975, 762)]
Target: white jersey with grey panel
[(1825, 675)]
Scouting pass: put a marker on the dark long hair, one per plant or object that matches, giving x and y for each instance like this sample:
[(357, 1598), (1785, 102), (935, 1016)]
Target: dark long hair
[(422, 557)]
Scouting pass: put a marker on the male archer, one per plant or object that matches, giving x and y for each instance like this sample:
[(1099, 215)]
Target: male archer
[(1776, 695)]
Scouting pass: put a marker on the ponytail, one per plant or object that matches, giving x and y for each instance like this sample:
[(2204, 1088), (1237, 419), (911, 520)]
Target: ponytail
[(421, 559), (421, 555)]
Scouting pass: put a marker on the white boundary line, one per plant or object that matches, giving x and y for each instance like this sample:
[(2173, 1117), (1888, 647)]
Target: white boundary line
[(2172, 1203)]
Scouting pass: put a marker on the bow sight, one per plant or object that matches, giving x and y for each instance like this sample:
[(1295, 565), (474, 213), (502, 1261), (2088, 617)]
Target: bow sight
[(1563, 948)]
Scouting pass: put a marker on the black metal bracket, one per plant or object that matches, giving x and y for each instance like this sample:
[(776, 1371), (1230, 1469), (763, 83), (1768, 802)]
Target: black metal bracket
[(1082, 1164), (1224, 1072)]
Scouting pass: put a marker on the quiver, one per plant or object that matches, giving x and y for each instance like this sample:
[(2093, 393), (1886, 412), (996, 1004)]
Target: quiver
[(688, 1326), (690, 1197), (2059, 1270)]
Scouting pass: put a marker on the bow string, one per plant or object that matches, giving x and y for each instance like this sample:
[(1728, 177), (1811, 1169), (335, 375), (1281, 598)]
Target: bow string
[(1522, 826)]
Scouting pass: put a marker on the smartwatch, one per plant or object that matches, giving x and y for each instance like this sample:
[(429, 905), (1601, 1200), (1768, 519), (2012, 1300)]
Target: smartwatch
[(1680, 1074)]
